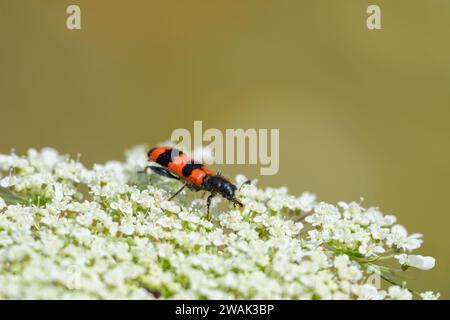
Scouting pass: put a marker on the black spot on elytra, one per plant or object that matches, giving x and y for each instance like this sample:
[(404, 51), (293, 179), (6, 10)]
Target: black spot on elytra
[(188, 168), (166, 157)]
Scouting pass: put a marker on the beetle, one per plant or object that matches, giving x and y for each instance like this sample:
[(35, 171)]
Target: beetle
[(175, 164)]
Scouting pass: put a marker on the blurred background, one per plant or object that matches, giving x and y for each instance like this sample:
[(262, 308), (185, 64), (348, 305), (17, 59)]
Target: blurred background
[(361, 113)]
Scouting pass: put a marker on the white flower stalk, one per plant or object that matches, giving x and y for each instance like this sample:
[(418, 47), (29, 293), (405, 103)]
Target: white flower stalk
[(122, 238)]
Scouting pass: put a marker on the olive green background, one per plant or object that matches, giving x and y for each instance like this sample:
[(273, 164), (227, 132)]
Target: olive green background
[(361, 113)]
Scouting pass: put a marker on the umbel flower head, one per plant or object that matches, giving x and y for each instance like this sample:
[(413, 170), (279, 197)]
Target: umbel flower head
[(67, 231)]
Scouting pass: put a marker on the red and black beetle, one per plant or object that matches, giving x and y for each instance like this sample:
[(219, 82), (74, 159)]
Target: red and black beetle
[(175, 164)]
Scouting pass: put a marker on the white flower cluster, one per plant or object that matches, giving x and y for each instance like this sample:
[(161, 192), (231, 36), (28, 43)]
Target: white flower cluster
[(110, 232)]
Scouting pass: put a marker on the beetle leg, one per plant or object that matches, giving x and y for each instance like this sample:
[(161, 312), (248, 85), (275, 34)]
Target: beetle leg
[(208, 204), (236, 203), (178, 192)]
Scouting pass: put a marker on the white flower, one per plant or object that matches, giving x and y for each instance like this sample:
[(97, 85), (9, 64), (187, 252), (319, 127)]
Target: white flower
[(350, 209), (9, 181), (399, 293), (136, 157), (85, 219), (170, 206), (402, 258), (429, 295), (59, 193), (346, 270), (83, 235), (400, 238), (307, 201), (46, 159), (123, 206), (370, 249), (240, 179), (126, 240), (369, 292), (416, 261), (5, 239), (127, 228), (378, 232), (324, 214)]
